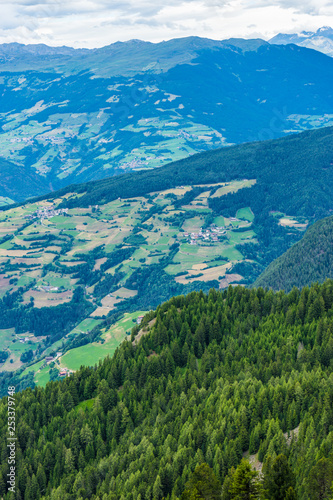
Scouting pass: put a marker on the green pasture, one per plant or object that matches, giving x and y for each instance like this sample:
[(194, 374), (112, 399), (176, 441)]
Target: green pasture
[(18, 347), (232, 254), (90, 354), (193, 225), (245, 213), (5, 201), (86, 325), (219, 221), (6, 338), (33, 368), (236, 238), (42, 377)]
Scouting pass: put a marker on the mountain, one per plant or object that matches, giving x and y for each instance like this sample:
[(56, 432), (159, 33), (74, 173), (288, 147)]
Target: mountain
[(206, 380), (321, 40), (307, 261), (79, 266), (70, 116), (16, 178)]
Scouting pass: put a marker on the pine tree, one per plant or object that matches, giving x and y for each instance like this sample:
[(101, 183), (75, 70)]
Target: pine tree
[(245, 484), (278, 477), (320, 479), (157, 489), (203, 485)]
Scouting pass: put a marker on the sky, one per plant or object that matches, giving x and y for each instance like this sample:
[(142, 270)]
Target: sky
[(96, 23)]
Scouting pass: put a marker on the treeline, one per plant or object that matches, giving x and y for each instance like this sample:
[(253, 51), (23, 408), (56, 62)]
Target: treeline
[(214, 377), (299, 165)]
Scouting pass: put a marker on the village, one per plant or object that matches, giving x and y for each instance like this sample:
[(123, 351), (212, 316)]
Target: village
[(46, 213), (210, 235)]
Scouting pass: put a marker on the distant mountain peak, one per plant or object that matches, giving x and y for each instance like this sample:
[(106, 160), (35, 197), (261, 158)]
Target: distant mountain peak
[(321, 40), (325, 29)]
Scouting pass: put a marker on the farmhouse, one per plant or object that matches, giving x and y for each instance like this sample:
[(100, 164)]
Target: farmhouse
[(139, 319)]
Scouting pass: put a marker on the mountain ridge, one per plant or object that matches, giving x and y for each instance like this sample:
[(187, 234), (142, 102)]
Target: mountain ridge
[(79, 122), (188, 45)]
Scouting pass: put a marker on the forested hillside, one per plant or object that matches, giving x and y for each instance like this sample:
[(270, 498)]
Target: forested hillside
[(208, 379), (307, 261), (294, 174)]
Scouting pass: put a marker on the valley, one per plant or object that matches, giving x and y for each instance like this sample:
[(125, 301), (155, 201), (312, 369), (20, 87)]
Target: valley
[(49, 252), (74, 263)]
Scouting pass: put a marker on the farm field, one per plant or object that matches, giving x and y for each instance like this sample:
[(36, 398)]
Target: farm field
[(90, 354), (50, 253)]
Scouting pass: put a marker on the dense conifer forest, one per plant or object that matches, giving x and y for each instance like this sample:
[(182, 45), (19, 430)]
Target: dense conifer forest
[(210, 382), (307, 261)]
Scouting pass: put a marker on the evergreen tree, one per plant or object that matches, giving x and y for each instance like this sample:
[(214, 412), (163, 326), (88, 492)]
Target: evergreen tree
[(278, 477), (203, 485), (245, 484)]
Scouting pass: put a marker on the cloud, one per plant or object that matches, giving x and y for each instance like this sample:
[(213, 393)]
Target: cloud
[(93, 23), (311, 7)]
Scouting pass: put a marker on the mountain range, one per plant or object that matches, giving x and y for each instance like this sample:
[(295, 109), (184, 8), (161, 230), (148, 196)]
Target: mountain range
[(71, 116), (321, 40)]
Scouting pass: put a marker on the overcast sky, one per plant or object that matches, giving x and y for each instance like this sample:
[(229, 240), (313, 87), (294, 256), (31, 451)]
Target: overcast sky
[(95, 23)]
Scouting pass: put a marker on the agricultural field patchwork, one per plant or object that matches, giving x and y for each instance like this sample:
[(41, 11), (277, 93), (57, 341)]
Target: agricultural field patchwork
[(89, 266), (55, 141)]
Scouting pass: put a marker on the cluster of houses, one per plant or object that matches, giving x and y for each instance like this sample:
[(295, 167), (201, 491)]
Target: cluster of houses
[(24, 340), (64, 372), (210, 235), (47, 213)]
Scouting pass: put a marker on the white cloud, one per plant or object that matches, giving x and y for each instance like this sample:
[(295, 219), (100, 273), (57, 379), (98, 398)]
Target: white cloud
[(94, 23)]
